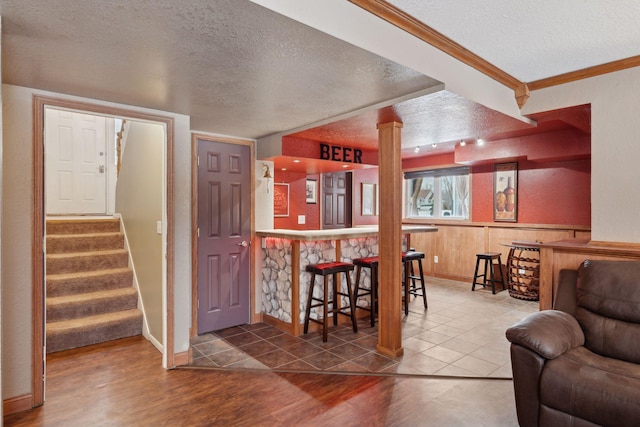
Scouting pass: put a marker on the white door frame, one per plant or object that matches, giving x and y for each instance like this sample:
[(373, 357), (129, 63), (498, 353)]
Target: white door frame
[(38, 218)]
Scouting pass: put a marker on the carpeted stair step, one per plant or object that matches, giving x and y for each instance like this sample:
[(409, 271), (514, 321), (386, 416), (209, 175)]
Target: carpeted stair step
[(74, 333), (83, 226), (68, 243), (86, 261), (91, 304), (88, 281)]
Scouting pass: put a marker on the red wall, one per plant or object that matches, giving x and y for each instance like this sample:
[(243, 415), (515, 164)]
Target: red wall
[(297, 199), (554, 189), (367, 176), (299, 206), (313, 209), (548, 192)]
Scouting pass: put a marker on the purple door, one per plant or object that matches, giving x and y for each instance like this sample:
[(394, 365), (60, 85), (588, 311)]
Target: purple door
[(224, 222), (336, 200)]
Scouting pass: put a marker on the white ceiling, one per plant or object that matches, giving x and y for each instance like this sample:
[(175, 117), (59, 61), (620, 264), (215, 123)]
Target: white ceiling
[(532, 40), (237, 68)]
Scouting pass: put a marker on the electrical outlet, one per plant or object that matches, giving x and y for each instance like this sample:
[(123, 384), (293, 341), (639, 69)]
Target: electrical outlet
[(435, 259)]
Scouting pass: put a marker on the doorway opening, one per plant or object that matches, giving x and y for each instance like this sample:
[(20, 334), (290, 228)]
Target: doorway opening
[(40, 104)]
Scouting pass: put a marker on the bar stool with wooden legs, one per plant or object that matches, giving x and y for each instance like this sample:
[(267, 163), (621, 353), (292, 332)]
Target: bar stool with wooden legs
[(362, 291), (326, 270), (410, 276), (488, 259)]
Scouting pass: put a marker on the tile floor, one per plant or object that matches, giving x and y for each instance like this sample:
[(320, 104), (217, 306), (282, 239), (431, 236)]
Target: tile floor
[(460, 334)]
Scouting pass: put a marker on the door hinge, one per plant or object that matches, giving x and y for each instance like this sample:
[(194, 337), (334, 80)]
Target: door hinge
[(198, 160), (198, 232), (198, 304)]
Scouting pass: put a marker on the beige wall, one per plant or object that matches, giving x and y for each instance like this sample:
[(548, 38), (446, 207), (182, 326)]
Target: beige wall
[(139, 200), (615, 129), (16, 233)]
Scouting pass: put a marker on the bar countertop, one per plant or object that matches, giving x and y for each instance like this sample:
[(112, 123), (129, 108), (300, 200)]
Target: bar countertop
[(338, 234)]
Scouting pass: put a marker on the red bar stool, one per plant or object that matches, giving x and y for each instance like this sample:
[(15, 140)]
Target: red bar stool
[(326, 270), (488, 259), (408, 259), (372, 291)]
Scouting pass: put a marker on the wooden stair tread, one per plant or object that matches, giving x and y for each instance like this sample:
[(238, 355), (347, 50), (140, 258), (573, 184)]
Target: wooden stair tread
[(77, 226), (89, 296), (87, 274), (84, 235), (87, 254), (89, 321)]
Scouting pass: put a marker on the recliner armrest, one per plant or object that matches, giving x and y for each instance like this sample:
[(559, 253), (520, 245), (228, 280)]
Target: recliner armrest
[(548, 333)]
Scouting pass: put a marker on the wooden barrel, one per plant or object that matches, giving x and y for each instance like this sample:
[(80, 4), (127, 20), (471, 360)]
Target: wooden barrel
[(523, 272)]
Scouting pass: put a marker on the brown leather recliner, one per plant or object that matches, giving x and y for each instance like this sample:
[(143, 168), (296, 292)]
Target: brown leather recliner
[(579, 364)]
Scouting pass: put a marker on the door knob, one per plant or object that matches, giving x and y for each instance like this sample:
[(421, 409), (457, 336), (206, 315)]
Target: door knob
[(244, 244)]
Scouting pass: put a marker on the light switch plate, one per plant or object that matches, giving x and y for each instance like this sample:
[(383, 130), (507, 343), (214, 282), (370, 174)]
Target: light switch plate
[(302, 219)]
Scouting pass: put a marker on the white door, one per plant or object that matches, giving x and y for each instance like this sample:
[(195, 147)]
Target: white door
[(75, 162)]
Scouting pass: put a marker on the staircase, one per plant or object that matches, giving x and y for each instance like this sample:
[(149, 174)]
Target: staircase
[(90, 293)]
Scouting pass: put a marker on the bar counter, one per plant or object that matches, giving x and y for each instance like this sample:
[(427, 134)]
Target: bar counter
[(286, 253)]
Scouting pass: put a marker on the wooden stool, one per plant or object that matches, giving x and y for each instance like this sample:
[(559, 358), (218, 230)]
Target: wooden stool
[(488, 259), (409, 274), (372, 291), (330, 269)]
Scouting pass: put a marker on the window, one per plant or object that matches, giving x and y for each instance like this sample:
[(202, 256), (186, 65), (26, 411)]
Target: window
[(439, 193)]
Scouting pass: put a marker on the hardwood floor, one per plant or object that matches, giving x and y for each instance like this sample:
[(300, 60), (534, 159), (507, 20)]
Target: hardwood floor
[(122, 383)]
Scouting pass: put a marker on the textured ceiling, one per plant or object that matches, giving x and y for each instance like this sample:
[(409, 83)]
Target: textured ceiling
[(441, 117), (235, 67), (532, 40), (239, 69)]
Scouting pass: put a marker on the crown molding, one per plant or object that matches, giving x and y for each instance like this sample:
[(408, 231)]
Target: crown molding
[(585, 73), (388, 12), (408, 23)]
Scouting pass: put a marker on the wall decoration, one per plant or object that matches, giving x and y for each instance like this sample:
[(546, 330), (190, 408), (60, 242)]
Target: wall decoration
[(280, 199), (368, 199), (505, 192), (312, 191)]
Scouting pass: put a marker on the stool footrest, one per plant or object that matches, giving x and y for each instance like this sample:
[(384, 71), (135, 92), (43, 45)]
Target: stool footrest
[(330, 270)]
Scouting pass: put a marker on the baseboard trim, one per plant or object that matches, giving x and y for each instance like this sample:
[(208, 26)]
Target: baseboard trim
[(181, 358), (283, 326), (17, 404), (288, 327)]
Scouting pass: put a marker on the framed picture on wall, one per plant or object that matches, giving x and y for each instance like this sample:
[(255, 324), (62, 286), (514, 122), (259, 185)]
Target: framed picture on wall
[(505, 192), (312, 191), (280, 199), (368, 199)]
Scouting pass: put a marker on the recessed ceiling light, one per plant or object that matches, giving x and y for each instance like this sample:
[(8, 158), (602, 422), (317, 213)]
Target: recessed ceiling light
[(345, 166), (434, 145), (283, 169), (296, 161)]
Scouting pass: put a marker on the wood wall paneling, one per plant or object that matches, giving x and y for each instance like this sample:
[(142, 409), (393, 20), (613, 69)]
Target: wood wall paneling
[(456, 249), (570, 254)]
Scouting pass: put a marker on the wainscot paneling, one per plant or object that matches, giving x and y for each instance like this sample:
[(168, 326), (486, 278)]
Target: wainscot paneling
[(456, 244)]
